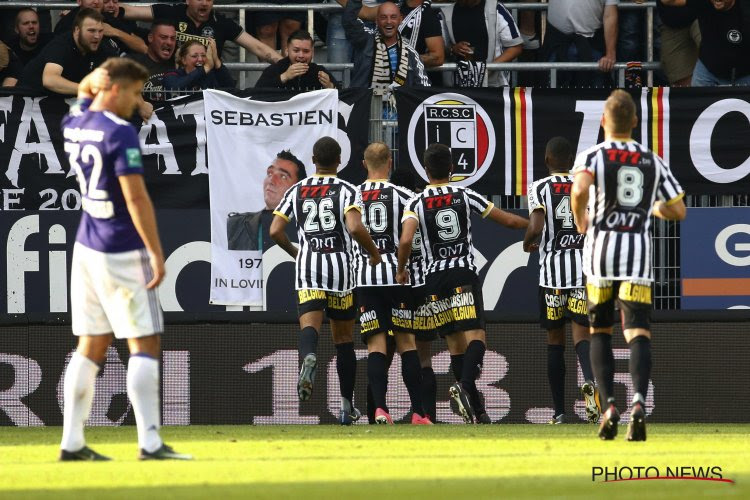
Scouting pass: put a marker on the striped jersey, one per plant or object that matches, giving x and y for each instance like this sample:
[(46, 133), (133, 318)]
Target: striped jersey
[(560, 245), (326, 255), (383, 207), (444, 215), (628, 179), (416, 261)]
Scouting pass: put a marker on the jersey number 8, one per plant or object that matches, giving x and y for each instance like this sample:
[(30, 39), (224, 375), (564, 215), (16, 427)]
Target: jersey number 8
[(629, 186)]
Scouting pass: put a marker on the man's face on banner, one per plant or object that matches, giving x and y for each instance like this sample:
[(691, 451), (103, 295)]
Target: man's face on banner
[(280, 176)]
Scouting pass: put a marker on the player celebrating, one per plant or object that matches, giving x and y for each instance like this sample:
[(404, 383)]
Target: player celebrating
[(630, 183), (442, 213), (385, 305), (117, 258), (328, 214), (561, 286)]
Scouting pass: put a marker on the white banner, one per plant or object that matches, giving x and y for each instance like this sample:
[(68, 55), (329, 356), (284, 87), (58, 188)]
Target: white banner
[(243, 138)]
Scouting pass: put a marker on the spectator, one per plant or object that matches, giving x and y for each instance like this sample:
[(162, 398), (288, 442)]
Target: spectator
[(68, 57), (282, 23), (116, 33), (724, 53), (527, 22), (199, 67), (28, 41), (10, 67), (382, 58), (196, 20), (420, 27), (479, 32), (297, 71), (582, 31), (680, 40), (159, 57), (112, 9)]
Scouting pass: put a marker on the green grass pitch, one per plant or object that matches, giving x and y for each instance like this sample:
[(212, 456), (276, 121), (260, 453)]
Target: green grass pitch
[(443, 461)]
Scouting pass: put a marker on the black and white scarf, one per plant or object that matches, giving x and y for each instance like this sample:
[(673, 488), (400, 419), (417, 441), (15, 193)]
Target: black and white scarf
[(381, 64), (412, 23)]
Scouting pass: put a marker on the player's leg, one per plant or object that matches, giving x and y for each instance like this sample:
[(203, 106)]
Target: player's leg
[(600, 296), (551, 318), (310, 307), (342, 311), (377, 369), (411, 372), (635, 303), (429, 380), (577, 311), (457, 345), (94, 332), (78, 394), (374, 319)]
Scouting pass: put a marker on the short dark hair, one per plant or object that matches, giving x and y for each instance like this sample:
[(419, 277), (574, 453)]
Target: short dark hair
[(560, 150), (123, 69), (161, 22), (326, 152), (87, 13), (288, 156), (21, 11), (438, 160), (299, 35)]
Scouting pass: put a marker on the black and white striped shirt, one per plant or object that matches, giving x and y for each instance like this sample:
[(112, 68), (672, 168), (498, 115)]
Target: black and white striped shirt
[(444, 215), (628, 178), (560, 245), (383, 206), (416, 261), (326, 255)]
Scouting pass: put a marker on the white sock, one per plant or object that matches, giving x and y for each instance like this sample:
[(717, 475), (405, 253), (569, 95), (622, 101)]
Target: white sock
[(143, 391), (78, 393)]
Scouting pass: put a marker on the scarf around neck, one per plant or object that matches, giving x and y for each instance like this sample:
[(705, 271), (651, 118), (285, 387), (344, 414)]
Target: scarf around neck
[(381, 64)]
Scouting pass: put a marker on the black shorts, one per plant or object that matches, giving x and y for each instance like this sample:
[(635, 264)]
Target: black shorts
[(423, 330), (266, 17), (337, 305), (384, 309), (556, 305), (455, 301), (632, 297)]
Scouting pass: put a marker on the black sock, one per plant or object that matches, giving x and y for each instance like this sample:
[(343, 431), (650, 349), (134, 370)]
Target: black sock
[(640, 363), (346, 366), (370, 405), (429, 391), (308, 342), (376, 376), (603, 363), (457, 365), (472, 368), (412, 374), (584, 358), (556, 376)]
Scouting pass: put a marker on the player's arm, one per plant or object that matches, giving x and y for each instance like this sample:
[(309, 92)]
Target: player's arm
[(671, 210), (534, 231), (507, 219), (257, 47), (278, 235), (353, 218), (93, 83), (408, 230), (137, 12), (53, 80), (142, 213), (579, 199)]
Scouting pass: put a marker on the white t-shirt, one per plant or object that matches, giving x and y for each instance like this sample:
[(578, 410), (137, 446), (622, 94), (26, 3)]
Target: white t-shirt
[(581, 17)]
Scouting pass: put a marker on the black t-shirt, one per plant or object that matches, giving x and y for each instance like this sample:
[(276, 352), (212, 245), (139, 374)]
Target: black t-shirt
[(24, 56), (65, 24), (155, 84), (62, 50), (429, 27), (12, 70), (469, 26), (725, 38), (217, 27), (675, 17), (271, 77)]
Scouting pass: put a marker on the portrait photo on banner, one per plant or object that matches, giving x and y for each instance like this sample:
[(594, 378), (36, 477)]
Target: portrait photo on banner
[(256, 151)]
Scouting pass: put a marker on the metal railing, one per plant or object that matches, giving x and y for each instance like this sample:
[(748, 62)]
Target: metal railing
[(648, 65)]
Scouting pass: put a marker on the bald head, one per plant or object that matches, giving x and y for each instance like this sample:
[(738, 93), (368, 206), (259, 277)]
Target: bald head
[(377, 160), (387, 20), (619, 113)]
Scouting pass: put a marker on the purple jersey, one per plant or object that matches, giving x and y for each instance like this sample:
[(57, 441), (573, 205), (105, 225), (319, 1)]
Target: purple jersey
[(101, 147)]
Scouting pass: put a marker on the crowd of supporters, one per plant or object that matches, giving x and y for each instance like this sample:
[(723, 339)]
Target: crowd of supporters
[(184, 44)]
